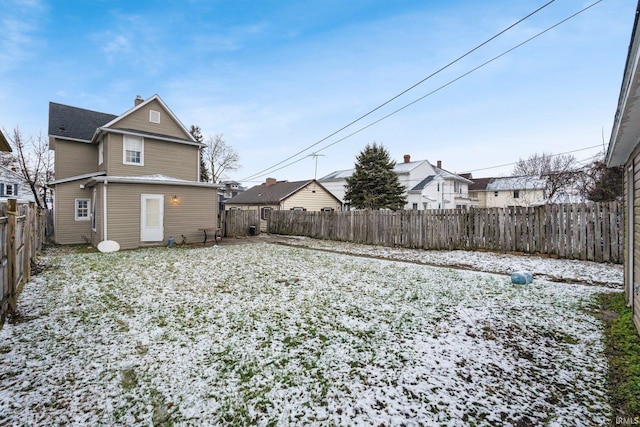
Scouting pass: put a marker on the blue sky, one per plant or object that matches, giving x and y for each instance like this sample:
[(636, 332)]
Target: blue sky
[(275, 77)]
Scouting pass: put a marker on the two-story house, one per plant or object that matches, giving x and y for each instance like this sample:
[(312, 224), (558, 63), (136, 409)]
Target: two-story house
[(131, 178), (427, 186)]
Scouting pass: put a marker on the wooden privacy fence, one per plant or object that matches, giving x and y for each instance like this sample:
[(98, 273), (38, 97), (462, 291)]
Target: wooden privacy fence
[(22, 233), (238, 222), (591, 231)]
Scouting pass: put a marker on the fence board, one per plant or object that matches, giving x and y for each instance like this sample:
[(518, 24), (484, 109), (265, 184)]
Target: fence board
[(591, 232)]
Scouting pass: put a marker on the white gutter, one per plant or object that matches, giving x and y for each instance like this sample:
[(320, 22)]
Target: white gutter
[(104, 210)]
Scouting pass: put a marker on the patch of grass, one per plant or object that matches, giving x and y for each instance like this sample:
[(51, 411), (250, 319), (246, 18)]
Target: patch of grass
[(623, 352)]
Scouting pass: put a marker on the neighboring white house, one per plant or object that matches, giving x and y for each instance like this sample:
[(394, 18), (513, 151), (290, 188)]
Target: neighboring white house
[(13, 185), (508, 191), (428, 186)]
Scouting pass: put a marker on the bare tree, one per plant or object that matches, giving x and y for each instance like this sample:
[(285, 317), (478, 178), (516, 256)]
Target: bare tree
[(221, 157), (599, 183), (559, 172), (34, 161)]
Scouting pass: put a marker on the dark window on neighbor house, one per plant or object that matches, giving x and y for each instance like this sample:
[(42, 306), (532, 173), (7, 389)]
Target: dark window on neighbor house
[(495, 193), (299, 209), (327, 209), (415, 206), (264, 213), (8, 189), (516, 194)]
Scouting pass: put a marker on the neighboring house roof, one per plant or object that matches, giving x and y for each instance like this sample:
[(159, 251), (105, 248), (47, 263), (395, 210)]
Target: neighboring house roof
[(4, 144), (76, 124), (422, 184), (479, 184), (399, 168), (516, 183), (626, 126), (449, 175), (273, 194)]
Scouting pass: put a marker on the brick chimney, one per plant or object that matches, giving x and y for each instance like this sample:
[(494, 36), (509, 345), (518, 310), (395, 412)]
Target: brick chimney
[(407, 158), (270, 181), (138, 101), (439, 164)]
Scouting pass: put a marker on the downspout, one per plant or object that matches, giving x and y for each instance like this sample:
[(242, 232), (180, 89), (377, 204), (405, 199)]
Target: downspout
[(104, 210)]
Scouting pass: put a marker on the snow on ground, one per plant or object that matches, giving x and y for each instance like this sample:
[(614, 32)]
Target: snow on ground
[(562, 270), (265, 334)]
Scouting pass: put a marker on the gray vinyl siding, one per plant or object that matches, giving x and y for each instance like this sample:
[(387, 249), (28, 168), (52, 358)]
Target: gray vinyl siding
[(140, 120), (75, 158), (634, 162), (196, 208), (67, 229), (160, 157)]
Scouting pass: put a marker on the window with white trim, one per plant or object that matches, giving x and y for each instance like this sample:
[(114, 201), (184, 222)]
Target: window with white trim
[(94, 200), (82, 209), (100, 152), (133, 150)]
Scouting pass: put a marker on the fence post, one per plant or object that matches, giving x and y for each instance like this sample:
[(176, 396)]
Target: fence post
[(12, 218)]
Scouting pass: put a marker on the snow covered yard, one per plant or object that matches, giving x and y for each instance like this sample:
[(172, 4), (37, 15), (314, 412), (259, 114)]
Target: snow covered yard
[(273, 335)]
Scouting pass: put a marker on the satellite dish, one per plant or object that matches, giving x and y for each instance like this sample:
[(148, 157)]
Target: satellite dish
[(108, 246)]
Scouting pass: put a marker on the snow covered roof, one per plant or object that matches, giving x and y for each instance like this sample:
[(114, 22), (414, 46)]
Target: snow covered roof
[(516, 183)]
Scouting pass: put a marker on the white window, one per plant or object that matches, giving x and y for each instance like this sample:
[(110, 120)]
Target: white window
[(82, 209), (456, 187), (154, 116), (100, 152), (133, 153), (93, 209), (298, 209)]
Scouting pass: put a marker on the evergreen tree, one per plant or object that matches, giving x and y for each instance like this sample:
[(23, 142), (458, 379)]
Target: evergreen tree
[(604, 184), (374, 184), (197, 135)]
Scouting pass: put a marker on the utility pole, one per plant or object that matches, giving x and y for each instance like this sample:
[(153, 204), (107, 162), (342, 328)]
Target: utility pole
[(316, 155)]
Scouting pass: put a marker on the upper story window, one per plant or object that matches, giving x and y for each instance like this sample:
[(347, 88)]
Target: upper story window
[(456, 187), (7, 189), (100, 152), (133, 150), (516, 194)]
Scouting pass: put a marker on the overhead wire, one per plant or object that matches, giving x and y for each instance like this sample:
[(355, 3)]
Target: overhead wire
[(273, 169), (268, 170)]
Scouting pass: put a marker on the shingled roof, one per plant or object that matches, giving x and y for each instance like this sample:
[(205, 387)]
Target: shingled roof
[(273, 194), (75, 123)]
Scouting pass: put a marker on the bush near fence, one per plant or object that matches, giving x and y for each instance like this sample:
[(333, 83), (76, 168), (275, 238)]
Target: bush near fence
[(592, 231), (22, 233)]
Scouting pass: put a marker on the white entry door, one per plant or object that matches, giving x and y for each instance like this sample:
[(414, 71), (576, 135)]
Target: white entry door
[(152, 218)]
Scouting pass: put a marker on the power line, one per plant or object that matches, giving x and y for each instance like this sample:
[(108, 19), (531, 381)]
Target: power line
[(257, 174), (513, 163), (273, 169)]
